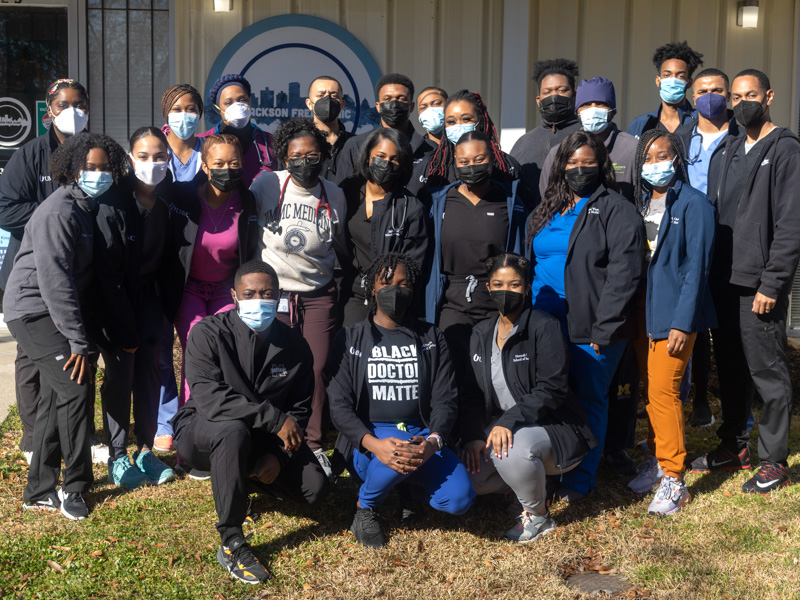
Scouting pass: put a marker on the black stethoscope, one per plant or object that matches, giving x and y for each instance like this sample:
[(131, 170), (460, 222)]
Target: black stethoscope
[(395, 229), (322, 205), (695, 134)]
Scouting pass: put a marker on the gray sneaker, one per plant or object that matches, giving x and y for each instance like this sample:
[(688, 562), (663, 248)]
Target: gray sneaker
[(530, 528), (671, 496), (650, 475)]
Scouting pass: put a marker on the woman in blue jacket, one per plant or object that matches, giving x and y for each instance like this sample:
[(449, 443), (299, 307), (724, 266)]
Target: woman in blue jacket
[(680, 226)]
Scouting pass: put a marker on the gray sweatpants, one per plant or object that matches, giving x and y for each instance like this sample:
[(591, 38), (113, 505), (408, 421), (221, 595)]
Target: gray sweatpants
[(524, 470)]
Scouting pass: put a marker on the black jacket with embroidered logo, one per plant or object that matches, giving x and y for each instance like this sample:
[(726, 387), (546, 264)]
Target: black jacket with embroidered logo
[(535, 366)]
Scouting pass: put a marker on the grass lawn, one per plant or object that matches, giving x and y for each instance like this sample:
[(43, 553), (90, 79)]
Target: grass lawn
[(160, 542)]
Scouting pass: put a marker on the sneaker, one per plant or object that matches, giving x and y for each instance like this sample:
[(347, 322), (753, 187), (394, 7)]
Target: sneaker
[(701, 415), (721, 459), (530, 528), (671, 496), (155, 470), (162, 443), (73, 506), (367, 529), (770, 476), (239, 560), (100, 454), (199, 475), (123, 473), (50, 502), (622, 464), (650, 475), (324, 462), (28, 456)]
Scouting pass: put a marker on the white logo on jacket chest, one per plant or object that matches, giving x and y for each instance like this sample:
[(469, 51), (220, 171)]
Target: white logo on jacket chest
[(675, 220), (521, 357), (476, 358), (594, 210), (278, 371), (355, 352)]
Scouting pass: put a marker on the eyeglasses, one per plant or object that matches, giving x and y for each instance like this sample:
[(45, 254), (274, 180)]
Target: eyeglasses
[(309, 159)]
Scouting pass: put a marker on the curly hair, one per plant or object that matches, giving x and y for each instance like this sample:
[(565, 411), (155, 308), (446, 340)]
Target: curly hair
[(677, 51), (297, 128), (405, 155), (647, 139), (384, 267), (521, 265), (444, 156), (556, 66), (215, 139), (172, 95), (69, 159), (558, 194)]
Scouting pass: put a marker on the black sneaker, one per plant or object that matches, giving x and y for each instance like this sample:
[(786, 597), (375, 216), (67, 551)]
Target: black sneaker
[(199, 475), (770, 476), (721, 459), (701, 415), (367, 529), (239, 560), (621, 463), (49, 502), (73, 506)]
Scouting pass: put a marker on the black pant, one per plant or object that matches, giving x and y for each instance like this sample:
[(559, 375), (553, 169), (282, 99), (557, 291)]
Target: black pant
[(701, 365), (63, 416), (230, 449), (751, 356), (623, 403), (26, 383)]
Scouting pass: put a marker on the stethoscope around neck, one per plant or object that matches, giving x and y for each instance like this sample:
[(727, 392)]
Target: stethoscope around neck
[(322, 205), (394, 228)]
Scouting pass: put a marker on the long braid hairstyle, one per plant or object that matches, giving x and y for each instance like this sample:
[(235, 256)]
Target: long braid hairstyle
[(384, 267), (558, 194), (444, 157), (641, 188)]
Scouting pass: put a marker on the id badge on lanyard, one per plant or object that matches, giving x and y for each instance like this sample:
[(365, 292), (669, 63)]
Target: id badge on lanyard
[(283, 303)]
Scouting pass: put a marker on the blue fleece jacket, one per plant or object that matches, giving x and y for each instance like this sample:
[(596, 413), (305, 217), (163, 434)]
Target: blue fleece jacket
[(650, 120)]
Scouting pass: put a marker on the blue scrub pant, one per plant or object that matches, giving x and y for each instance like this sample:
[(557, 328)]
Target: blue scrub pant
[(443, 479), (168, 400)]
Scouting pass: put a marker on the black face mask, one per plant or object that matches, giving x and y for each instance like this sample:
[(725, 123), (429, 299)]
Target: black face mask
[(303, 173), (225, 180), (327, 109), (748, 112), (582, 180), (383, 171), (474, 175), (507, 301), (395, 112), (394, 301), (556, 109)]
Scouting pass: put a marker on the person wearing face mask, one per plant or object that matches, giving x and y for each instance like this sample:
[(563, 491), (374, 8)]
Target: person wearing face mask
[(680, 226), (755, 257), (326, 101), (230, 99), (301, 217), (251, 383), (24, 185), (520, 422), (430, 107), (182, 107), (394, 102), (393, 398), (132, 261), (556, 81), (47, 299), (583, 222), (382, 217), (675, 64), (214, 230)]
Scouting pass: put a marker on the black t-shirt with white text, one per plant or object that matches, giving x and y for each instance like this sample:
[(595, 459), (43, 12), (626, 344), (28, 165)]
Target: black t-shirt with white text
[(392, 385)]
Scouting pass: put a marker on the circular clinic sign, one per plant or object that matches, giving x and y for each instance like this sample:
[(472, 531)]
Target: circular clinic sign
[(281, 56), (15, 122)]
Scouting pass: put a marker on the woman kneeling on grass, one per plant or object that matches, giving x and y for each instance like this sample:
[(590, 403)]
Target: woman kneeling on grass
[(393, 397), (520, 406)]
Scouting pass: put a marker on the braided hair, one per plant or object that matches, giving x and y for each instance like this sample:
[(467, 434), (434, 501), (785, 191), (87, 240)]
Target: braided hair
[(444, 157), (384, 267), (171, 96), (60, 84), (647, 139)]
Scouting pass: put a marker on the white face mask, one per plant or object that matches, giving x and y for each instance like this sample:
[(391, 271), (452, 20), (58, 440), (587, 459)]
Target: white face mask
[(70, 120), (237, 115), (150, 173)]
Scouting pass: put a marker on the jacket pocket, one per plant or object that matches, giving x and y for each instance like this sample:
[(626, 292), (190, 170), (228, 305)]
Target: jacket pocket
[(748, 253)]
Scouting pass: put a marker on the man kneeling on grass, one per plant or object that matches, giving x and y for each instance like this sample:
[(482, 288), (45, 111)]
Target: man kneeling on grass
[(251, 383)]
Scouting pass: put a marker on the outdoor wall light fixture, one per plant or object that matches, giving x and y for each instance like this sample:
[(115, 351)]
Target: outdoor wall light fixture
[(227, 6), (747, 14)]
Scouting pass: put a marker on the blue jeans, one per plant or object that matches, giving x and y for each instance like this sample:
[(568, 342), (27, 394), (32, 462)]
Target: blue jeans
[(168, 401), (443, 479)]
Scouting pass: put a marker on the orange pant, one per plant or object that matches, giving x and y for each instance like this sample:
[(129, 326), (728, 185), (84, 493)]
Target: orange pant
[(662, 375)]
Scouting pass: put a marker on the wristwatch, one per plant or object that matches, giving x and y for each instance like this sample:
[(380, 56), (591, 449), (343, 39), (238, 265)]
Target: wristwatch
[(437, 440)]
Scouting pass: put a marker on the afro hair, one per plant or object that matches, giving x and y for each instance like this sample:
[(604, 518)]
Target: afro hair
[(556, 66), (296, 128), (677, 51), (69, 159)]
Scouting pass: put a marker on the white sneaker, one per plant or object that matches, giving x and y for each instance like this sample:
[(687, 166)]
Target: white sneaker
[(650, 474), (28, 456), (671, 496), (100, 454), (324, 462)]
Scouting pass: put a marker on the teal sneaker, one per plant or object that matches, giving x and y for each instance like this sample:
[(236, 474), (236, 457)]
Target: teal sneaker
[(155, 470), (124, 474)]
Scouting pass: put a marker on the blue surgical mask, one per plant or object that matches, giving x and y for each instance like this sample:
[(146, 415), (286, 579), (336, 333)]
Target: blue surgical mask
[(659, 174), (432, 119), (183, 124), (95, 183), (454, 132), (257, 314), (594, 119), (672, 90)]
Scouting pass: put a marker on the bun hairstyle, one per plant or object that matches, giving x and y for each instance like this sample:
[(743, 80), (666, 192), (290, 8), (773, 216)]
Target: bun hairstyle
[(520, 264), (215, 139)]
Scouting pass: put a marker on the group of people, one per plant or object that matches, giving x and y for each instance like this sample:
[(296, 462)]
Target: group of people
[(313, 278)]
